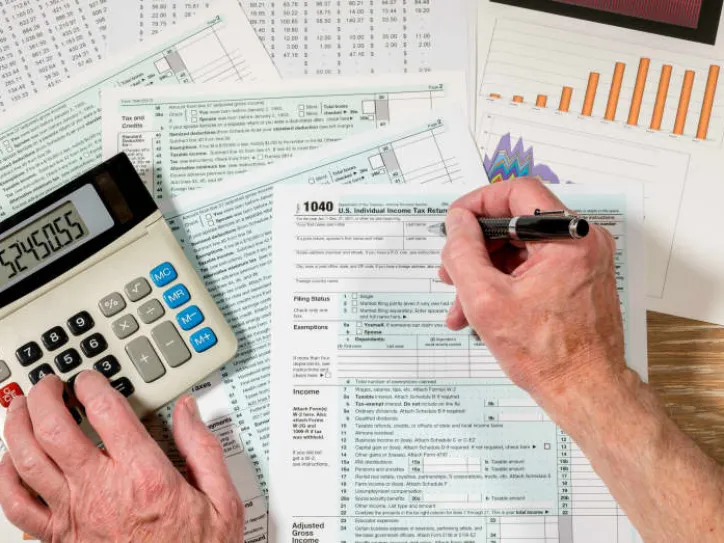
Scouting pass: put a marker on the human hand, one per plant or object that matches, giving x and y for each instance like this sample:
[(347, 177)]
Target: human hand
[(130, 492), (549, 312)]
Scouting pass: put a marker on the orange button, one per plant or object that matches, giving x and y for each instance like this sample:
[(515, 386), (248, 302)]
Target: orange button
[(8, 392)]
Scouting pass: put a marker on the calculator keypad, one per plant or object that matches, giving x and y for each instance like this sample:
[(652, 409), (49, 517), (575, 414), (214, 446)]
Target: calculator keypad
[(54, 338), (29, 354), (93, 345), (68, 360), (147, 353), (38, 373), (80, 323)]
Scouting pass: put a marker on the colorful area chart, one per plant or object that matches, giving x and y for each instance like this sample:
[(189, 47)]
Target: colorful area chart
[(508, 162)]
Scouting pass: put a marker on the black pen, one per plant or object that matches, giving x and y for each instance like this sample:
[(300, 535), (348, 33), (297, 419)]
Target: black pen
[(543, 226)]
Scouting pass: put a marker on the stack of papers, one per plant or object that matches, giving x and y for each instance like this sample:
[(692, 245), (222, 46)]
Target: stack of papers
[(300, 151)]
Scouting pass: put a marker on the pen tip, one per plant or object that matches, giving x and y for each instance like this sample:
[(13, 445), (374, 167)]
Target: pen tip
[(437, 229)]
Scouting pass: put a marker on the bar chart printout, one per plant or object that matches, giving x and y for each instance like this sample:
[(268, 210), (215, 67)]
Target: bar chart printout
[(663, 95)]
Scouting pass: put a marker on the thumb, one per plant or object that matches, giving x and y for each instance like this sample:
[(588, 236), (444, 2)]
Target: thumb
[(204, 456), (466, 258)]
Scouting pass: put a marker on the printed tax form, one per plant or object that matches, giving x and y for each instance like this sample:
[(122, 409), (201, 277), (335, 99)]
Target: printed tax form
[(388, 426), (183, 137), (226, 232), (44, 43), (53, 139)]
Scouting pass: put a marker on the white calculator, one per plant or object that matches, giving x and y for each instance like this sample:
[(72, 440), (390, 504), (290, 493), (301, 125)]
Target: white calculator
[(91, 277)]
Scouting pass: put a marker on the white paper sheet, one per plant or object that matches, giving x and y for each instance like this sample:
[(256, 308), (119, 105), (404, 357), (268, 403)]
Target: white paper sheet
[(185, 137), (43, 43), (53, 139), (525, 53), (401, 426), (332, 38)]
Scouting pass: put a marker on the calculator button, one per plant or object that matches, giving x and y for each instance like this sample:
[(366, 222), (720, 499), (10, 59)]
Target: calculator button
[(203, 340), (93, 345), (8, 392), (151, 311), (137, 289), (163, 275), (4, 371), (108, 366), (190, 318), (144, 357), (124, 386), (79, 324), (171, 344), (38, 373), (71, 382), (176, 296), (29, 354), (112, 304), (54, 338), (68, 360), (124, 327)]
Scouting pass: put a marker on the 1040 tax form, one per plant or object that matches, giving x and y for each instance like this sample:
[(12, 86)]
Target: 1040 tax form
[(388, 426)]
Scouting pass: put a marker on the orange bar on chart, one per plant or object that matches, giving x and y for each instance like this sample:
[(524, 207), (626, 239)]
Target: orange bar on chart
[(518, 99), (638, 95), (661, 95), (590, 94), (615, 92), (566, 96), (494, 95), (684, 100), (541, 101), (709, 95)]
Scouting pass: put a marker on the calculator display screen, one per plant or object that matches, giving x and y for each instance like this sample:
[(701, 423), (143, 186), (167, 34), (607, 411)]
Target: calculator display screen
[(40, 241)]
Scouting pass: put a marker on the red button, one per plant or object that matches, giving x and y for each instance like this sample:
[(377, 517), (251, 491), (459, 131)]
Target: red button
[(8, 392)]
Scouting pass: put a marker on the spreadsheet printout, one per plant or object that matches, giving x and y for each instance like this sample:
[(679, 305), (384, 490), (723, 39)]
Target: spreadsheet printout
[(407, 430), (44, 42), (333, 37), (52, 141), (185, 137), (226, 232)]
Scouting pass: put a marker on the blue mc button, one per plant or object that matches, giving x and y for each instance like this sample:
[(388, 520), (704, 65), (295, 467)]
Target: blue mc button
[(164, 274), (203, 340), (176, 296), (190, 318)]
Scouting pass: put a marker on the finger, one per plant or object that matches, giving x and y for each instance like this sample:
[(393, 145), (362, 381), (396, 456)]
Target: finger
[(444, 276), (204, 455), (456, 319), (466, 258), (509, 258), (111, 416), (28, 457), (19, 506), (513, 198), (56, 430)]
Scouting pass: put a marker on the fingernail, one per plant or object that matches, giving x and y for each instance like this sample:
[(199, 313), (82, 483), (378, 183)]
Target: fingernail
[(17, 403), (192, 407)]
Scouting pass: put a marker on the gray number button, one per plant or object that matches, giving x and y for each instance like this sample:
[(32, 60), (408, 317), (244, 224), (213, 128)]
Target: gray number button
[(151, 311), (4, 371), (144, 357), (137, 289), (112, 304), (125, 326), (170, 344)]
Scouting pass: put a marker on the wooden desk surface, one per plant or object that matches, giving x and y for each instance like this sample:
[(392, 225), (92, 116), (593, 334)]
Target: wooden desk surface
[(686, 367)]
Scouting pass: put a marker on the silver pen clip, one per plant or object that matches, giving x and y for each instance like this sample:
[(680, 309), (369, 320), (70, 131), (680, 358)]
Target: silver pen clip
[(562, 213)]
